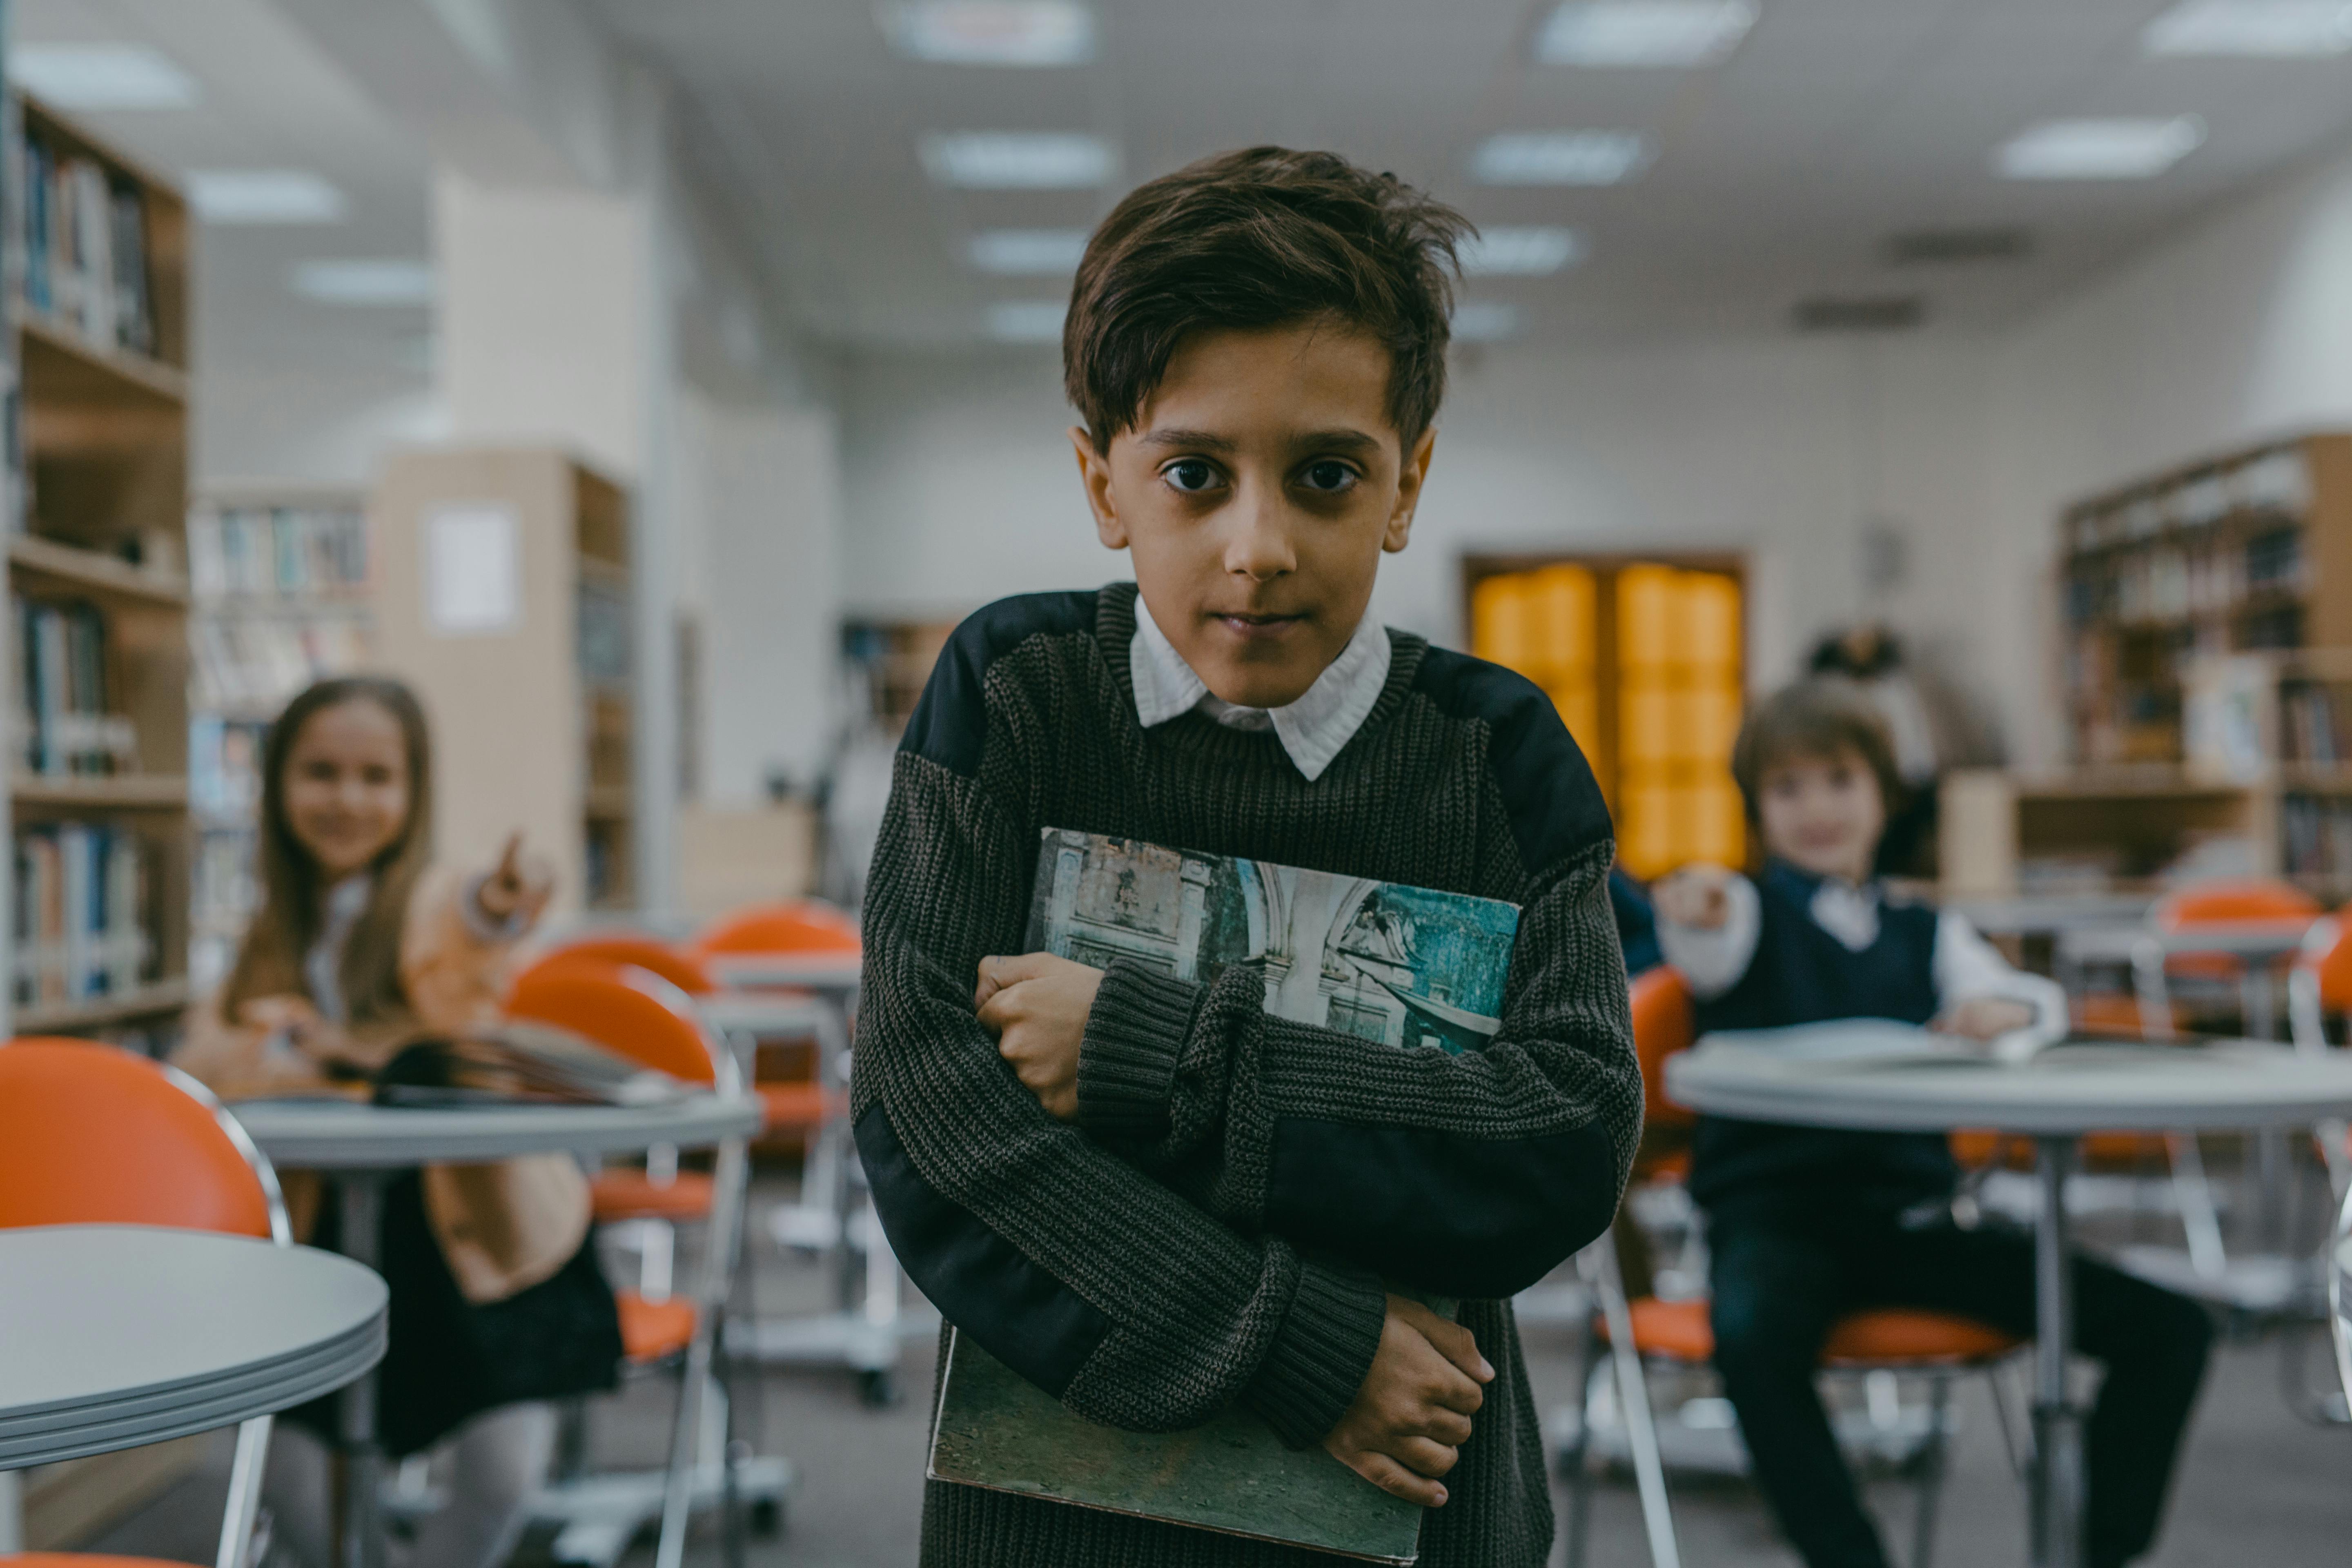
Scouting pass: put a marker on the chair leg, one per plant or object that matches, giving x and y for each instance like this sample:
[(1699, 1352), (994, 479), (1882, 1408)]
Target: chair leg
[(1932, 1461), (244, 1493), (1578, 1458), (1598, 1264)]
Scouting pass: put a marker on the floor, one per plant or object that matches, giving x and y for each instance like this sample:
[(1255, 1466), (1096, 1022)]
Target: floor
[(2259, 1484)]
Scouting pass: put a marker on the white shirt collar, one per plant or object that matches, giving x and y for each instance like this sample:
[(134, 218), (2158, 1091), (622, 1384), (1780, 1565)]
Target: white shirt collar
[(1312, 730), (1847, 912)]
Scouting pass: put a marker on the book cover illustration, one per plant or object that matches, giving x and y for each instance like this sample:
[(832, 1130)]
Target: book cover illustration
[(1402, 968)]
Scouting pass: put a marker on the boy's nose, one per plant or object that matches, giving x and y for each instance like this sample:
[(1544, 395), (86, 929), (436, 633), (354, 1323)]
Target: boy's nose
[(1259, 546)]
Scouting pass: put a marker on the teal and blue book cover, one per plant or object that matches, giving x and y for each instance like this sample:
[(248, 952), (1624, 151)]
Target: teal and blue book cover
[(1403, 968)]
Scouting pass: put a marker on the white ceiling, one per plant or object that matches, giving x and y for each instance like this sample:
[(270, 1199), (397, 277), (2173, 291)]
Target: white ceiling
[(1781, 172)]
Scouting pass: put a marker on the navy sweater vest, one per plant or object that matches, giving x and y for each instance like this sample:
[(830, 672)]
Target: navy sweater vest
[(1802, 974)]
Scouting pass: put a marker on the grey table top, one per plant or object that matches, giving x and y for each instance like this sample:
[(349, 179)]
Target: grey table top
[(1855, 1074), (121, 1335), (777, 1012), (2043, 914), (814, 973), (337, 1134), (2255, 939)]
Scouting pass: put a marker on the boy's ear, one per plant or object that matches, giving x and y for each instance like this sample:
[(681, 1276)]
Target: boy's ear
[(1093, 473), (1398, 533)]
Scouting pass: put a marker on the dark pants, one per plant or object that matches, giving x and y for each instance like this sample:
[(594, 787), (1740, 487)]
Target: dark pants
[(1785, 1271)]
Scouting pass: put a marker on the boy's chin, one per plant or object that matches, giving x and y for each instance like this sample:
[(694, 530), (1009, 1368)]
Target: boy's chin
[(1255, 687)]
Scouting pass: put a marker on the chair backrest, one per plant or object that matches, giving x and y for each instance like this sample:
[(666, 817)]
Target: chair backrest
[(2230, 900), (1665, 1022), (625, 1009), (2327, 957), (92, 1134), (680, 968), (799, 925)]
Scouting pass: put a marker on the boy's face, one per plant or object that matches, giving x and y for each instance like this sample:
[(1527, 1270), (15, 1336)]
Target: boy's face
[(1823, 814), (1257, 489)]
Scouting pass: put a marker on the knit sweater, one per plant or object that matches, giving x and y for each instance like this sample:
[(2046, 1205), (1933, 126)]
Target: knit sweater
[(1216, 1225)]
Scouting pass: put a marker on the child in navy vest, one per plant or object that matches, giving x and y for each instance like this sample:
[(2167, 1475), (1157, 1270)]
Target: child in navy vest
[(1805, 1225)]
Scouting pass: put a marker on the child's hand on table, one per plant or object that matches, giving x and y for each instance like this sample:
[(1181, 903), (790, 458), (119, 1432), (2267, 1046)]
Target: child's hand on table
[(1984, 1018), (520, 884), (1036, 1006), (1698, 897), (1412, 1413)]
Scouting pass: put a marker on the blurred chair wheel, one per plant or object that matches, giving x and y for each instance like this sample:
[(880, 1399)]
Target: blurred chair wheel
[(766, 1518), (878, 1389)]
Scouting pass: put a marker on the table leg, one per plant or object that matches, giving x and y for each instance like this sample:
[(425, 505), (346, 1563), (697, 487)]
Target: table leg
[(2057, 1423), (360, 1209)]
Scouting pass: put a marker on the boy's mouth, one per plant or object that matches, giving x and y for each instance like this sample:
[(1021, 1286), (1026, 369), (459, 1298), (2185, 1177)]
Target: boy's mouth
[(1255, 625)]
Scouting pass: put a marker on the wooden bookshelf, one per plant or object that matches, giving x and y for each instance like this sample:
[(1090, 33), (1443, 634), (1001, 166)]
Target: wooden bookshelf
[(98, 311), (2248, 551), (516, 561)]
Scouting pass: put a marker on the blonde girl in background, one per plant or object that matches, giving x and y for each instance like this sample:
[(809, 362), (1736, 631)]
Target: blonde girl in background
[(361, 947)]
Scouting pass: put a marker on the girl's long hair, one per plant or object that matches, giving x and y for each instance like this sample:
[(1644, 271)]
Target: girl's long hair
[(269, 962)]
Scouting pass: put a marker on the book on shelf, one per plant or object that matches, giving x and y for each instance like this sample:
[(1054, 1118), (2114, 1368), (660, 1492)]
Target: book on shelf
[(80, 893), (278, 552), (61, 694), (1402, 968), (250, 664), (81, 247)]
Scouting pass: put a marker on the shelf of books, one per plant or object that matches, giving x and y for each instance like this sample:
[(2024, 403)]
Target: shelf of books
[(97, 272), (517, 560), (279, 597)]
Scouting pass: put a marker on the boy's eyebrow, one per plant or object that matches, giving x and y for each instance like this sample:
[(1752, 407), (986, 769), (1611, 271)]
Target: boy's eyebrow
[(1343, 439)]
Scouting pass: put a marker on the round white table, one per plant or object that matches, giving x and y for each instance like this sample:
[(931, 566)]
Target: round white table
[(360, 1148), (1826, 1075), (120, 1335)]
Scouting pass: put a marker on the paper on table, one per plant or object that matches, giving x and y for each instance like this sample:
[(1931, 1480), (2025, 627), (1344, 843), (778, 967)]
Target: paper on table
[(1850, 1040)]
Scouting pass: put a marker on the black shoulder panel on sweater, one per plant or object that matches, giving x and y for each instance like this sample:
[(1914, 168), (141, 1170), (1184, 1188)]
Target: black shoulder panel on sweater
[(979, 1282), (1547, 787), (950, 723)]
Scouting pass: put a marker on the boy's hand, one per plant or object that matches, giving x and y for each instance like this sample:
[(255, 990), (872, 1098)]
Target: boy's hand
[(1699, 896), (1412, 1413), (1036, 1006), (1984, 1018)]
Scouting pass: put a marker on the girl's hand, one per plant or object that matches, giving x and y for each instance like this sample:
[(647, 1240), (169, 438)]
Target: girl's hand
[(1036, 1006), (1984, 1018), (312, 1036), (290, 1013), (1696, 897), (520, 884)]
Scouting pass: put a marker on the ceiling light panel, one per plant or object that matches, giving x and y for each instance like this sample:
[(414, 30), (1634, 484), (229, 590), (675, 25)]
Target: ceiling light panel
[(1018, 159), (1644, 34), (2252, 29), (2099, 148), (100, 76), (1561, 158), (1506, 252), (258, 196), (1027, 320), (388, 280), (1485, 321), (990, 32), (1027, 252)]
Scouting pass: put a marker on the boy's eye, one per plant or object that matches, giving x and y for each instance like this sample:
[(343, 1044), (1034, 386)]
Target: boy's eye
[(1191, 475), (1330, 476)]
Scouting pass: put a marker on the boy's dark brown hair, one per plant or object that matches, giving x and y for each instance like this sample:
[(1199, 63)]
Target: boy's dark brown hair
[(1258, 238), (1817, 717)]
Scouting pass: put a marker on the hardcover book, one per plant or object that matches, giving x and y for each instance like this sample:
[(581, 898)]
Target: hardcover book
[(1404, 968)]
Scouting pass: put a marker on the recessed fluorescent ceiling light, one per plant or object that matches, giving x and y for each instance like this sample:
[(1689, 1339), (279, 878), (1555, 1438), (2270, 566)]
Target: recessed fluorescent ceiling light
[(263, 196), (99, 76), (1561, 157), (991, 32), (1644, 33), (2100, 149), (1501, 252), (1017, 160), (388, 281), (1485, 321), (1027, 320), (2261, 29), (1027, 252)]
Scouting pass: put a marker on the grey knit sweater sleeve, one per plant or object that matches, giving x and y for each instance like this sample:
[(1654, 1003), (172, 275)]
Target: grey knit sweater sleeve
[(1469, 1176), (1100, 1285)]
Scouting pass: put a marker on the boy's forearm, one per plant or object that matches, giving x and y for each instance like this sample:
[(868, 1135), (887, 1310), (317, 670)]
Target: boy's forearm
[(1471, 1175)]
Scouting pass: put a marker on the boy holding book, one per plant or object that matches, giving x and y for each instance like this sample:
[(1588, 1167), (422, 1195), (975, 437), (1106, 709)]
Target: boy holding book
[(1805, 1225), (1151, 1198)]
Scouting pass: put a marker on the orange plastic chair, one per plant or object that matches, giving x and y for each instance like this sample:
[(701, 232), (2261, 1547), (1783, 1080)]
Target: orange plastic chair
[(796, 926), (637, 1014), (2320, 984), (91, 1134), (2233, 902), (681, 967)]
